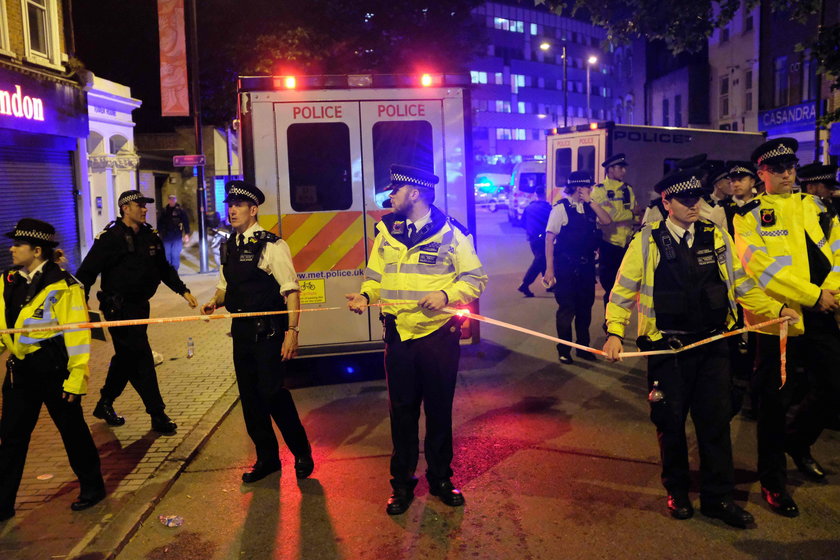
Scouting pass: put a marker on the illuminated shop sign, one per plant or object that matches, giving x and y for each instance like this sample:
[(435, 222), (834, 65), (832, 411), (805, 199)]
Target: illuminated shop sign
[(787, 120), (42, 105)]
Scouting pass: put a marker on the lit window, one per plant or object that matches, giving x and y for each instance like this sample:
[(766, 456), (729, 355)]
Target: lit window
[(534, 30), (520, 107), (500, 78)]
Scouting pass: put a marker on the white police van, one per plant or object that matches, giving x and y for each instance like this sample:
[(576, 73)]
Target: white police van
[(321, 147)]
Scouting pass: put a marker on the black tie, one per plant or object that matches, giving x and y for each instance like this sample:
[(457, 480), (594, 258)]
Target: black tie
[(684, 241), (412, 231), (240, 241)]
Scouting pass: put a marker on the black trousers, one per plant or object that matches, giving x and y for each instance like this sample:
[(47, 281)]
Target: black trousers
[(695, 381), (132, 361), (259, 375), (422, 371), (537, 264), (793, 417), (575, 295), (38, 380), (609, 261)]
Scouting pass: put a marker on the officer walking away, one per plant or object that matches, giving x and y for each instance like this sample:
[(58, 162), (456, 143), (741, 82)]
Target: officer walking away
[(535, 218), (821, 181), (45, 367), (685, 277), (257, 275), (790, 246), (175, 231), (571, 239), (421, 256), (617, 198), (130, 257)]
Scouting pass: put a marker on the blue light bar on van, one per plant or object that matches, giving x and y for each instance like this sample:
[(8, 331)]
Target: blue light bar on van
[(345, 81)]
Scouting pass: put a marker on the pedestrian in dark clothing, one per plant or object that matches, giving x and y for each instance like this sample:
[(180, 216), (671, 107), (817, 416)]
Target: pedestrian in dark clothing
[(174, 227), (535, 218), (130, 256)]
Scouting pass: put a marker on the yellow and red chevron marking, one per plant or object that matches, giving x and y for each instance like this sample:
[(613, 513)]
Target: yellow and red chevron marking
[(325, 240)]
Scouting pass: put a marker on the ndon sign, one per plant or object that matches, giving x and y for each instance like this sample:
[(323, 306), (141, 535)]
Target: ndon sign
[(16, 104)]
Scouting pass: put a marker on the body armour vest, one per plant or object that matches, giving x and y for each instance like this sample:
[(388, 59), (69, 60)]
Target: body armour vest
[(578, 238), (250, 288), (688, 292)]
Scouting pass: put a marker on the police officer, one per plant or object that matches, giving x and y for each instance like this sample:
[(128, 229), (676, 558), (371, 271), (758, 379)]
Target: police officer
[(130, 257), (790, 246), (617, 198), (257, 275), (707, 172), (571, 239), (45, 367), (821, 181), (421, 262), (742, 181), (685, 277), (174, 230), (535, 218)]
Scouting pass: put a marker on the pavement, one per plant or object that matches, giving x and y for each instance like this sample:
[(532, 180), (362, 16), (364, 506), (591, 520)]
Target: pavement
[(555, 462)]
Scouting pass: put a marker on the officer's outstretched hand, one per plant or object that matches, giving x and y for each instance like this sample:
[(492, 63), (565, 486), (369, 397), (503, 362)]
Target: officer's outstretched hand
[(357, 303), (208, 308), (434, 301), (828, 301), (612, 348), (790, 314), (191, 300)]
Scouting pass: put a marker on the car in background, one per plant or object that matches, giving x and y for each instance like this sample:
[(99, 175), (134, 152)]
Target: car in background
[(526, 178), (492, 191)]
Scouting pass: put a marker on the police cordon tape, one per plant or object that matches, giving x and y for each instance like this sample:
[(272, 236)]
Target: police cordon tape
[(782, 321)]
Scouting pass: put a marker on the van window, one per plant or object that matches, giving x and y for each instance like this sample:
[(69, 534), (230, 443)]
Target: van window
[(562, 166), (402, 142), (320, 176), (586, 160), (529, 182)]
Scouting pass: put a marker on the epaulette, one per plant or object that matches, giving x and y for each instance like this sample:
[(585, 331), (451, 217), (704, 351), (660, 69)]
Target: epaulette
[(748, 207), (265, 235), (148, 226), (108, 226), (70, 279), (457, 224), (600, 185), (654, 203)]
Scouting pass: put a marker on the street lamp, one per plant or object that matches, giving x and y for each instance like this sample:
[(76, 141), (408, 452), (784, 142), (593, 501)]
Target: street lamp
[(590, 61), (544, 46)]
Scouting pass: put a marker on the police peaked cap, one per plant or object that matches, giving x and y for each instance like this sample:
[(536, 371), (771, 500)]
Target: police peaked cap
[(818, 173), (579, 179), (34, 232), (717, 171), (412, 176), (617, 159), (741, 168), (679, 184), (691, 162), (242, 191), (133, 196), (778, 150)]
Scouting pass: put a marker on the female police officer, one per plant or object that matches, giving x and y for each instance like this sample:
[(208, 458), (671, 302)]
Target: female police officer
[(49, 367)]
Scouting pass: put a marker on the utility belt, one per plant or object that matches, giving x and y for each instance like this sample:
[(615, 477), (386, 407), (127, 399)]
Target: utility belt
[(256, 329), (391, 335), (674, 340), (115, 302), (52, 356), (564, 259)]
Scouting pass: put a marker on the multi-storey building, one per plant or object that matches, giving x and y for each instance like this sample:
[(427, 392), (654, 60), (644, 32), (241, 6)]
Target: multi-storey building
[(43, 126), (520, 90)]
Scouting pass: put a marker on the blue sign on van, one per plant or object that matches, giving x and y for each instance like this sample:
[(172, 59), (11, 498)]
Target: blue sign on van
[(787, 120)]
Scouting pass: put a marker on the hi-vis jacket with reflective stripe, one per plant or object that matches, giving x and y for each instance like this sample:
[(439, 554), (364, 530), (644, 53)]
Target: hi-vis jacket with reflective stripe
[(634, 283), (770, 236), (444, 259), (619, 201), (61, 301)]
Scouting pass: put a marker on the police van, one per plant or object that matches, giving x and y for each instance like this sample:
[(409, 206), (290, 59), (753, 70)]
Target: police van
[(652, 151), (321, 147)]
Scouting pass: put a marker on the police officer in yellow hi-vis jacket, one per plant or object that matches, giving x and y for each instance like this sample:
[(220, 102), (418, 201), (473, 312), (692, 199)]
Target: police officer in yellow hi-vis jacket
[(790, 245), (45, 367), (617, 198), (683, 275), (422, 261)]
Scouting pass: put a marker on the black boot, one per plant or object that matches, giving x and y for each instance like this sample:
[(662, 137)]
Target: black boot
[(105, 411), (163, 424)]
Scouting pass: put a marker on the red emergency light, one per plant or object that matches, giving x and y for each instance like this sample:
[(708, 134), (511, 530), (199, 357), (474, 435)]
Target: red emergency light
[(289, 82), (425, 80)]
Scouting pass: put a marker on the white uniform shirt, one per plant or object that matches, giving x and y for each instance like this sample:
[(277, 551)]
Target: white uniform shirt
[(29, 276), (558, 217), (276, 259)]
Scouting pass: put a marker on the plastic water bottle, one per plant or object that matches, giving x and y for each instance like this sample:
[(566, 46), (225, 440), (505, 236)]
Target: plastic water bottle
[(190, 348)]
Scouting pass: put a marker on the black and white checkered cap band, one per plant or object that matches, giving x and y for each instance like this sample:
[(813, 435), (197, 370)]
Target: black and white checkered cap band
[(818, 178), (692, 184), (236, 191), (32, 234), (582, 182), (780, 150), (739, 170), (128, 198), (399, 178)]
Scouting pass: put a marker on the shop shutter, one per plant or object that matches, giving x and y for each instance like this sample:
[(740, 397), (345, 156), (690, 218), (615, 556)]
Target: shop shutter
[(38, 183)]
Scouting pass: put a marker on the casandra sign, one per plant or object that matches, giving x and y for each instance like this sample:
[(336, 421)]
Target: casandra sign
[(21, 106)]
